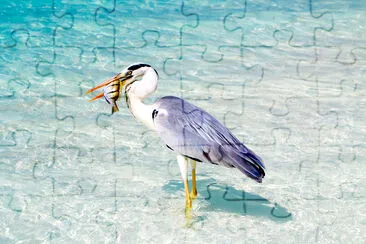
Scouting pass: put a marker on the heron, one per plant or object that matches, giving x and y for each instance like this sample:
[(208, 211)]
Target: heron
[(192, 133)]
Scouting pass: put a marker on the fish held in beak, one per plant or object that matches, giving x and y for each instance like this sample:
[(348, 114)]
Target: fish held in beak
[(111, 91), (114, 78), (111, 94)]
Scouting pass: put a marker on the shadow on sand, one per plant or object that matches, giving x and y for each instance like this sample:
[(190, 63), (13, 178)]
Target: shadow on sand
[(228, 199)]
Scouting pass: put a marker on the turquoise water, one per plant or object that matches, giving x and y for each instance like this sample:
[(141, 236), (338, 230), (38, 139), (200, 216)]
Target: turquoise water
[(287, 77)]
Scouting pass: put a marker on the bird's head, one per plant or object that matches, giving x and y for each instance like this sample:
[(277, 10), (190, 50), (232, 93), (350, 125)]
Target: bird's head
[(136, 72), (141, 77)]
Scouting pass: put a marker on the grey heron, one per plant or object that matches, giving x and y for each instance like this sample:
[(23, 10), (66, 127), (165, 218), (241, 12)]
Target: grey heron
[(189, 131)]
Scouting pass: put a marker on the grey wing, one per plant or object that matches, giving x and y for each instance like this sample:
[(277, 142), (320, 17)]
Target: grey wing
[(194, 133)]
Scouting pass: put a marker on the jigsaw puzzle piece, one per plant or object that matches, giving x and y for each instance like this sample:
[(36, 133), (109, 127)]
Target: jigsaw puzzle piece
[(331, 172), (18, 79), (33, 17), (115, 149), (228, 81), (340, 96), (19, 188), (12, 199), (80, 146), (271, 92), (240, 122), (127, 30), (208, 18), (287, 161), (279, 74), (335, 214), (97, 36), (188, 69), (345, 43), (24, 217), (14, 148), (308, 134), (15, 88), (298, 19), (72, 187), (225, 85), (265, 93), (14, 145), (317, 67)]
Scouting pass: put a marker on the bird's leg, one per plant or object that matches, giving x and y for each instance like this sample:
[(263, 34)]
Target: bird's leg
[(188, 197), (194, 186), (183, 165)]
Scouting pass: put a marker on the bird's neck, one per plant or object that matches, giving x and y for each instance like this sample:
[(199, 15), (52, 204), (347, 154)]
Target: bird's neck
[(141, 111), (136, 93)]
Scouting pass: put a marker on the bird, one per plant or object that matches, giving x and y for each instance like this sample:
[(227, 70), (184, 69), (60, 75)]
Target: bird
[(192, 133)]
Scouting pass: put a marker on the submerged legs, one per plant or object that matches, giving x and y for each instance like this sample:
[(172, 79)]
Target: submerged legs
[(183, 166)]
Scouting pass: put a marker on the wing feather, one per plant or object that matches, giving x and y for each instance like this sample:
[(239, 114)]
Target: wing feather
[(194, 133)]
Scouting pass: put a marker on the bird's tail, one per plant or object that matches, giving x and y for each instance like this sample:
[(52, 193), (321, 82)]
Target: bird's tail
[(248, 163)]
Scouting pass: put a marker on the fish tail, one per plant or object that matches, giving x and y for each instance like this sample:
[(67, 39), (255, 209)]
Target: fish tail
[(115, 108)]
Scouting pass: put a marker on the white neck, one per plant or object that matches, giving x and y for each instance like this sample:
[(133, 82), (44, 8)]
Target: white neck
[(136, 94), (141, 111)]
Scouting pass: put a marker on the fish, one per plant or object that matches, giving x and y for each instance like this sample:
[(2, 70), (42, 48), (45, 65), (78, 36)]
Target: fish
[(111, 93)]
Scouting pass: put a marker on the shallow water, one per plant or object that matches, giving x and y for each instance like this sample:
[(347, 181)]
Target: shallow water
[(287, 77)]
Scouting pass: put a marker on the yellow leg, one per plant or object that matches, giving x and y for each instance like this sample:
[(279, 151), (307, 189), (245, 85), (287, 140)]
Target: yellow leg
[(194, 186), (183, 165), (188, 198)]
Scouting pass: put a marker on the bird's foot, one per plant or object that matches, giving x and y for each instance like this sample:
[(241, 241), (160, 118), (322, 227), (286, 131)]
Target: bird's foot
[(188, 207), (188, 211)]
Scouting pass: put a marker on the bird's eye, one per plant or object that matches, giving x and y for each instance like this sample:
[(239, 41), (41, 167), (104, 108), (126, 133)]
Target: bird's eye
[(129, 73)]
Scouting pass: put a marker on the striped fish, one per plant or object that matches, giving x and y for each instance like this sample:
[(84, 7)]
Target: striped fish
[(111, 94)]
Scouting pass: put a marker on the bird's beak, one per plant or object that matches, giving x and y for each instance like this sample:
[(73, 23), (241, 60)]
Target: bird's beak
[(121, 77)]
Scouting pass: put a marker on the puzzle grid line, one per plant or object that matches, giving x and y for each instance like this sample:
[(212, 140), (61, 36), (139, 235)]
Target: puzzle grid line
[(41, 103)]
